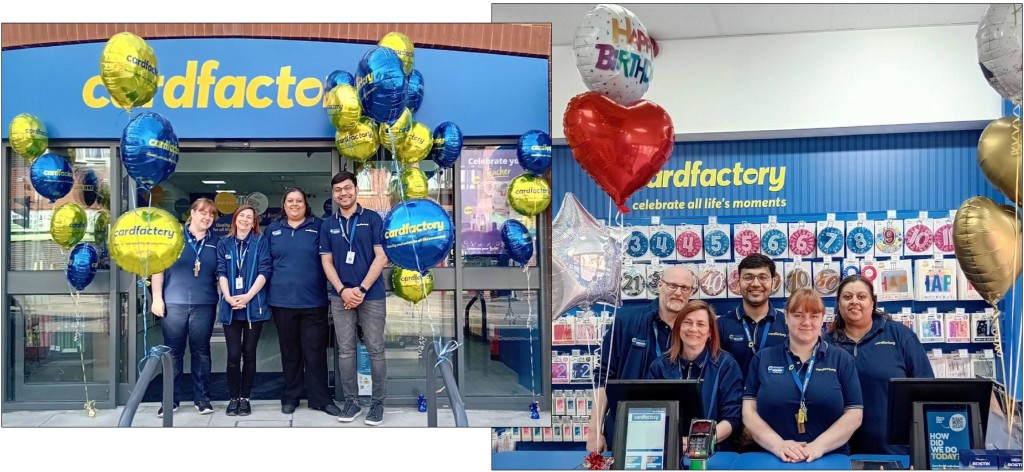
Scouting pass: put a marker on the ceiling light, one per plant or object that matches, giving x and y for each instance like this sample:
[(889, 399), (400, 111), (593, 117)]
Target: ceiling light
[(214, 182), (226, 191)]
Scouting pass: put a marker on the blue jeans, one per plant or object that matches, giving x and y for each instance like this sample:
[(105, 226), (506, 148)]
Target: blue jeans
[(192, 324)]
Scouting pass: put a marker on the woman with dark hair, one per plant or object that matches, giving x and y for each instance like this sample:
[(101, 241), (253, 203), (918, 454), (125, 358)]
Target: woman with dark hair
[(185, 296), (697, 353), (297, 296), (243, 268), (882, 349)]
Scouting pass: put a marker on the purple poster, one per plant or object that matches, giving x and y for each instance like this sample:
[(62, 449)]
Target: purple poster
[(486, 173)]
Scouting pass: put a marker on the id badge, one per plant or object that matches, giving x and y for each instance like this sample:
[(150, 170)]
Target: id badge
[(238, 283), (350, 258)]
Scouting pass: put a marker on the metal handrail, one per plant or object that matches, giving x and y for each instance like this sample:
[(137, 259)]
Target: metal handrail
[(161, 354), (454, 397)]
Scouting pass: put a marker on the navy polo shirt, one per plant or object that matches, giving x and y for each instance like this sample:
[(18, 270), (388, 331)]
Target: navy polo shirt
[(889, 350), (770, 331), (833, 389), (299, 280), (365, 228), (181, 286), (721, 389)]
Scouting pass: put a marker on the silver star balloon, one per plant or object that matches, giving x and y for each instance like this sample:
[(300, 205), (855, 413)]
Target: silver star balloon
[(587, 260)]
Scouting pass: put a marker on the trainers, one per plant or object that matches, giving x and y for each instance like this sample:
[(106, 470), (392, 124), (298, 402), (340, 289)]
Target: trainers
[(376, 414), (244, 409), (160, 412), (232, 407), (204, 407), (350, 412), (288, 409), (330, 409)]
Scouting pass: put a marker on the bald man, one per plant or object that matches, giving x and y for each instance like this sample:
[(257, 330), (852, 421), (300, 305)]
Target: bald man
[(638, 337)]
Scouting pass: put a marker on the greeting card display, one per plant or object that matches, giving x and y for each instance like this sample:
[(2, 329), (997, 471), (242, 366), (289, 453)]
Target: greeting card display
[(870, 269), (558, 402), (562, 331), (938, 362), (935, 279), (717, 244), (919, 238), (746, 240), (559, 368), (802, 241), (586, 330), (932, 327), (654, 273), (634, 282), (638, 243), (662, 242), (796, 275), (732, 270), (831, 238), (906, 317), (695, 270), (775, 239), (690, 243), (860, 238), (826, 277), (830, 319), (943, 235), (889, 237), (958, 366), (983, 327), (850, 267), (581, 369), (983, 364), (894, 282), (712, 280), (964, 289), (958, 327)]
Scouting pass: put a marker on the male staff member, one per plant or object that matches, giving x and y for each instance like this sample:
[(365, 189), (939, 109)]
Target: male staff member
[(637, 339), (754, 325), (352, 253)]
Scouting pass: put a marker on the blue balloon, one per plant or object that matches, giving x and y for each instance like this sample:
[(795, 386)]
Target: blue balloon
[(337, 78), (534, 152), (414, 94), (447, 145), (82, 265), (328, 206), (517, 240), (90, 187), (52, 176), (381, 84), (418, 234), (149, 149)]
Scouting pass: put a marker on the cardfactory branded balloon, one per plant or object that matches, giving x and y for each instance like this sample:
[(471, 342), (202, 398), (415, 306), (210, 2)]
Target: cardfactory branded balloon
[(337, 78), (534, 152), (416, 146), (381, 84), (987, 242), (1000, 157), (414, 93), (414, 183), (447, 145), (417, 235), (358, 143), (128, 70), (51, 176), (225, 202), (146, 241), (101, 229), (149, 149), (411, 285), (343, 107), (529, 195), (614, 54), (403, 47), (517, 241), (82, 263), (67, 225), (28, 136), (392, 135)]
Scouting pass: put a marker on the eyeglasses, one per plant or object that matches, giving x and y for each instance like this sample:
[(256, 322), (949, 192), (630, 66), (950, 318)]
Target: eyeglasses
[(348, 188), (673, 287), (750, 278)]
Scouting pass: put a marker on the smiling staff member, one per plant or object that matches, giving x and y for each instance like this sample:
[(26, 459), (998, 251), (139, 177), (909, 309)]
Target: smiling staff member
[(882, 349), (802, 399), (754, 325), (297, 295)]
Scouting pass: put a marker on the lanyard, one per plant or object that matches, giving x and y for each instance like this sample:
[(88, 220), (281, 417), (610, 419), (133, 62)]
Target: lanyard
[(346, 231), (197, 245), (746, 328), (240, 260), (657, 343), (714, 388), (810, 370)]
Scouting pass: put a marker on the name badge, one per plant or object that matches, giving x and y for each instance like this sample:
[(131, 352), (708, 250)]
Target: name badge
[(639, 342), (350, 258), (335, 231), (775, 369), (276, 233), (238, 283)]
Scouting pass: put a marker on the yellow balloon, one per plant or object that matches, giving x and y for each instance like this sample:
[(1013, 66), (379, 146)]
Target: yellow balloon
[(225, 202), (128, 70), (417, 144), (402, 46), (358, 143), (28, 136), (101, 228), (987, 242), (529, 195), (343, 107), (410, 285), (415, 183), (1000, 159), (67, 225), (146, 241), (393, 136)]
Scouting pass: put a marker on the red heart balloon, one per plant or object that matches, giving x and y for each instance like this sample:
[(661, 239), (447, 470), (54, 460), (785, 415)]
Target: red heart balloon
[(620, 147)]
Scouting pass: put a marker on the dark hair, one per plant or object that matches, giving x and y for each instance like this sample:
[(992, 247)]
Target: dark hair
[(255, 221), (757, 261), (305, 201), (840, 323), (343, 176), (714, 342)]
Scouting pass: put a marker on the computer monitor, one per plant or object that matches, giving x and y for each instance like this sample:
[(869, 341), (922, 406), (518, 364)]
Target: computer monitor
[(647, 435), (686, 392), (938, 418)]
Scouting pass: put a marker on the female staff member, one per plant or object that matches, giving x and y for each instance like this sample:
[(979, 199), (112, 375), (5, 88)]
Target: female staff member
[(882, 349), (697, 353), (802, 399), (185, 296), (243, 267), (297, 295)]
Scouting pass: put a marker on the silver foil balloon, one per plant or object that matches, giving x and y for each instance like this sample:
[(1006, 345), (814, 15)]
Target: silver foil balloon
[(587, 260)]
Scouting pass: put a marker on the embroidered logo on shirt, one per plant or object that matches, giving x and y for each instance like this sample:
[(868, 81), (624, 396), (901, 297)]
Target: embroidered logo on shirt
[(276, 233), (335, 230), (227, 256), (639, 342), (363, 224), (825, 369), (734, 337), (773, 333), (210, 245), (776, 369), (885, 343), (312, 231)]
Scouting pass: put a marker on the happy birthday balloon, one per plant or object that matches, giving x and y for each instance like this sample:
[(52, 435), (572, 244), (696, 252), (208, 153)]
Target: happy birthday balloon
[(416, 146), (414, 181), (403, 47), (381, 84), (51, 176), (414, 93), (587, 260), (149, 149), (128, 70), (999, 49), (28, 136), (337, 78), (614, 55), (417, 235), (343, 108), (392, 135), (534, 152), (67, 225), (82, 263), (529, 195), (411, 285), (517, 241), (146, 241), (358, 143), (447, 145)]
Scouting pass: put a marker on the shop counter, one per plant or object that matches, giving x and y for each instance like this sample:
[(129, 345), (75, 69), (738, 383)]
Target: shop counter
[(570, 460)]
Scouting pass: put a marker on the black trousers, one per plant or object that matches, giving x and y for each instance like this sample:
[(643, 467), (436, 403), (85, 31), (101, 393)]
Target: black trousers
[(241, 343), (303, 335)]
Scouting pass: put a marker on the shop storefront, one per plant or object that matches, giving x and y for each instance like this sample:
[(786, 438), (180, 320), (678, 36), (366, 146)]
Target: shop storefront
[(249, 116)]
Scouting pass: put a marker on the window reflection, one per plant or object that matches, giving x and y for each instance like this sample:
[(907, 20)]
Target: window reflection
[(55, 331), (502, 343)]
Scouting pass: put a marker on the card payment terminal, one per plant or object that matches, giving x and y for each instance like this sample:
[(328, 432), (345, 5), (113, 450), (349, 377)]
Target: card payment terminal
[(700, 444)]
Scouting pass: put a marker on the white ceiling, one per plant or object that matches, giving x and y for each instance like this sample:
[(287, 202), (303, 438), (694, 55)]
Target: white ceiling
[(684, 21)]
